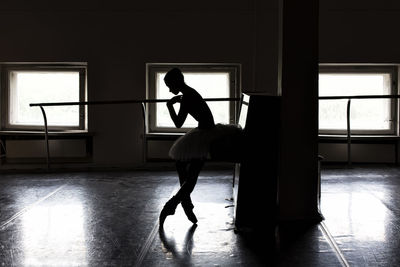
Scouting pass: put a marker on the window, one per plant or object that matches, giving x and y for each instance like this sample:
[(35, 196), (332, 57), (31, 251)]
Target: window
[(210, 80), (23, 84), (243, 110), (367, 116)]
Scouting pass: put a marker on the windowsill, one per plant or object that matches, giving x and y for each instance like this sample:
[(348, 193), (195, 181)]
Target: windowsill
[(163, 136), (358, 138), (51, 133), (168, 136)]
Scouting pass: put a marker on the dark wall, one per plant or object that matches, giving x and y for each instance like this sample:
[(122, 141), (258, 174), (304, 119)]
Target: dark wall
[(117, 38), (359, 31)]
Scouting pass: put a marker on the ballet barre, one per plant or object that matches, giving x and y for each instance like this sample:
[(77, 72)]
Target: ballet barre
[(142, 102), (112, 102), (348, 127)]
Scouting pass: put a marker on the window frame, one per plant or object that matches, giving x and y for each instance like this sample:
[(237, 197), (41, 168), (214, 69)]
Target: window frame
[(392, 70), (6, 68), (152, 69)]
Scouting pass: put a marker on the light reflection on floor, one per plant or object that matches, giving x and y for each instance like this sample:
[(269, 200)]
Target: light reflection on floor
[(54, 235), (360, 210), (106, 219), (180, 238), (357, 214)]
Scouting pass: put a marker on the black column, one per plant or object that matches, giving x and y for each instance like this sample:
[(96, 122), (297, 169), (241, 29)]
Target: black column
[(299, 139)]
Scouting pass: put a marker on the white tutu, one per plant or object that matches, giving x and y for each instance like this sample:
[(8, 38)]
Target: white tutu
[(196, 143)]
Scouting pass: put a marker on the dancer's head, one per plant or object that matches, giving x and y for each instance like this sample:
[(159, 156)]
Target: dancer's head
[(174, 80)]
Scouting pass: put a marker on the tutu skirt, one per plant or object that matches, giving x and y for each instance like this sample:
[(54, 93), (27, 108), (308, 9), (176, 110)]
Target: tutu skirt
[(196, 144)]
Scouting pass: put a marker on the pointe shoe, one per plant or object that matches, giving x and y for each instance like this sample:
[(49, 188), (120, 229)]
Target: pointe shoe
[(188, 209), (168, 209)]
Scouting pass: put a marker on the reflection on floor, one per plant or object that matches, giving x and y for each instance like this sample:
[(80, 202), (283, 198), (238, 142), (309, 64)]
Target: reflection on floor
[(361, 206), (110, 219)]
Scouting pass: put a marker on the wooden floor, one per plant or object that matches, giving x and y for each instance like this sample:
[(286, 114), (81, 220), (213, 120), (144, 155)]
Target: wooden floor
[(111, 219), (361, 206)]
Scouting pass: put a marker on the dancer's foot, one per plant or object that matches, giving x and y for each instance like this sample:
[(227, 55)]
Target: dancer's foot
[(168, 209), (188, 209)]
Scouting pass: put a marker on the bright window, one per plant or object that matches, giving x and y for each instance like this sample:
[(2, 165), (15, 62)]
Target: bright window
[(243, 111), (367, 116), (209, 81), (33, 84)]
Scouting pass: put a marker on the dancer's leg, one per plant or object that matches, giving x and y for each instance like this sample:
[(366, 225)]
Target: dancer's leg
[(193, 171), (182, 169), (188, 174), (188, 182)]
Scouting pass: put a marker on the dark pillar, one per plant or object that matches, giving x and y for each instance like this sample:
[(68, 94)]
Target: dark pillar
[(298, 178)]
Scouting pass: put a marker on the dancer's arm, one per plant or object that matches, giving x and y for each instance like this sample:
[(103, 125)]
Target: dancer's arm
[(179, 118)]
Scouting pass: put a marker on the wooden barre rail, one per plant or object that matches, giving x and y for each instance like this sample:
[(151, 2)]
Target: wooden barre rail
[(144, 101), (358, 97), (105, 102)]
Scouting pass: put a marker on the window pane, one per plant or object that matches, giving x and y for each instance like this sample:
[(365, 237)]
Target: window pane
[(208, 85), (365, 114), (39, 87), (243, 111)]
